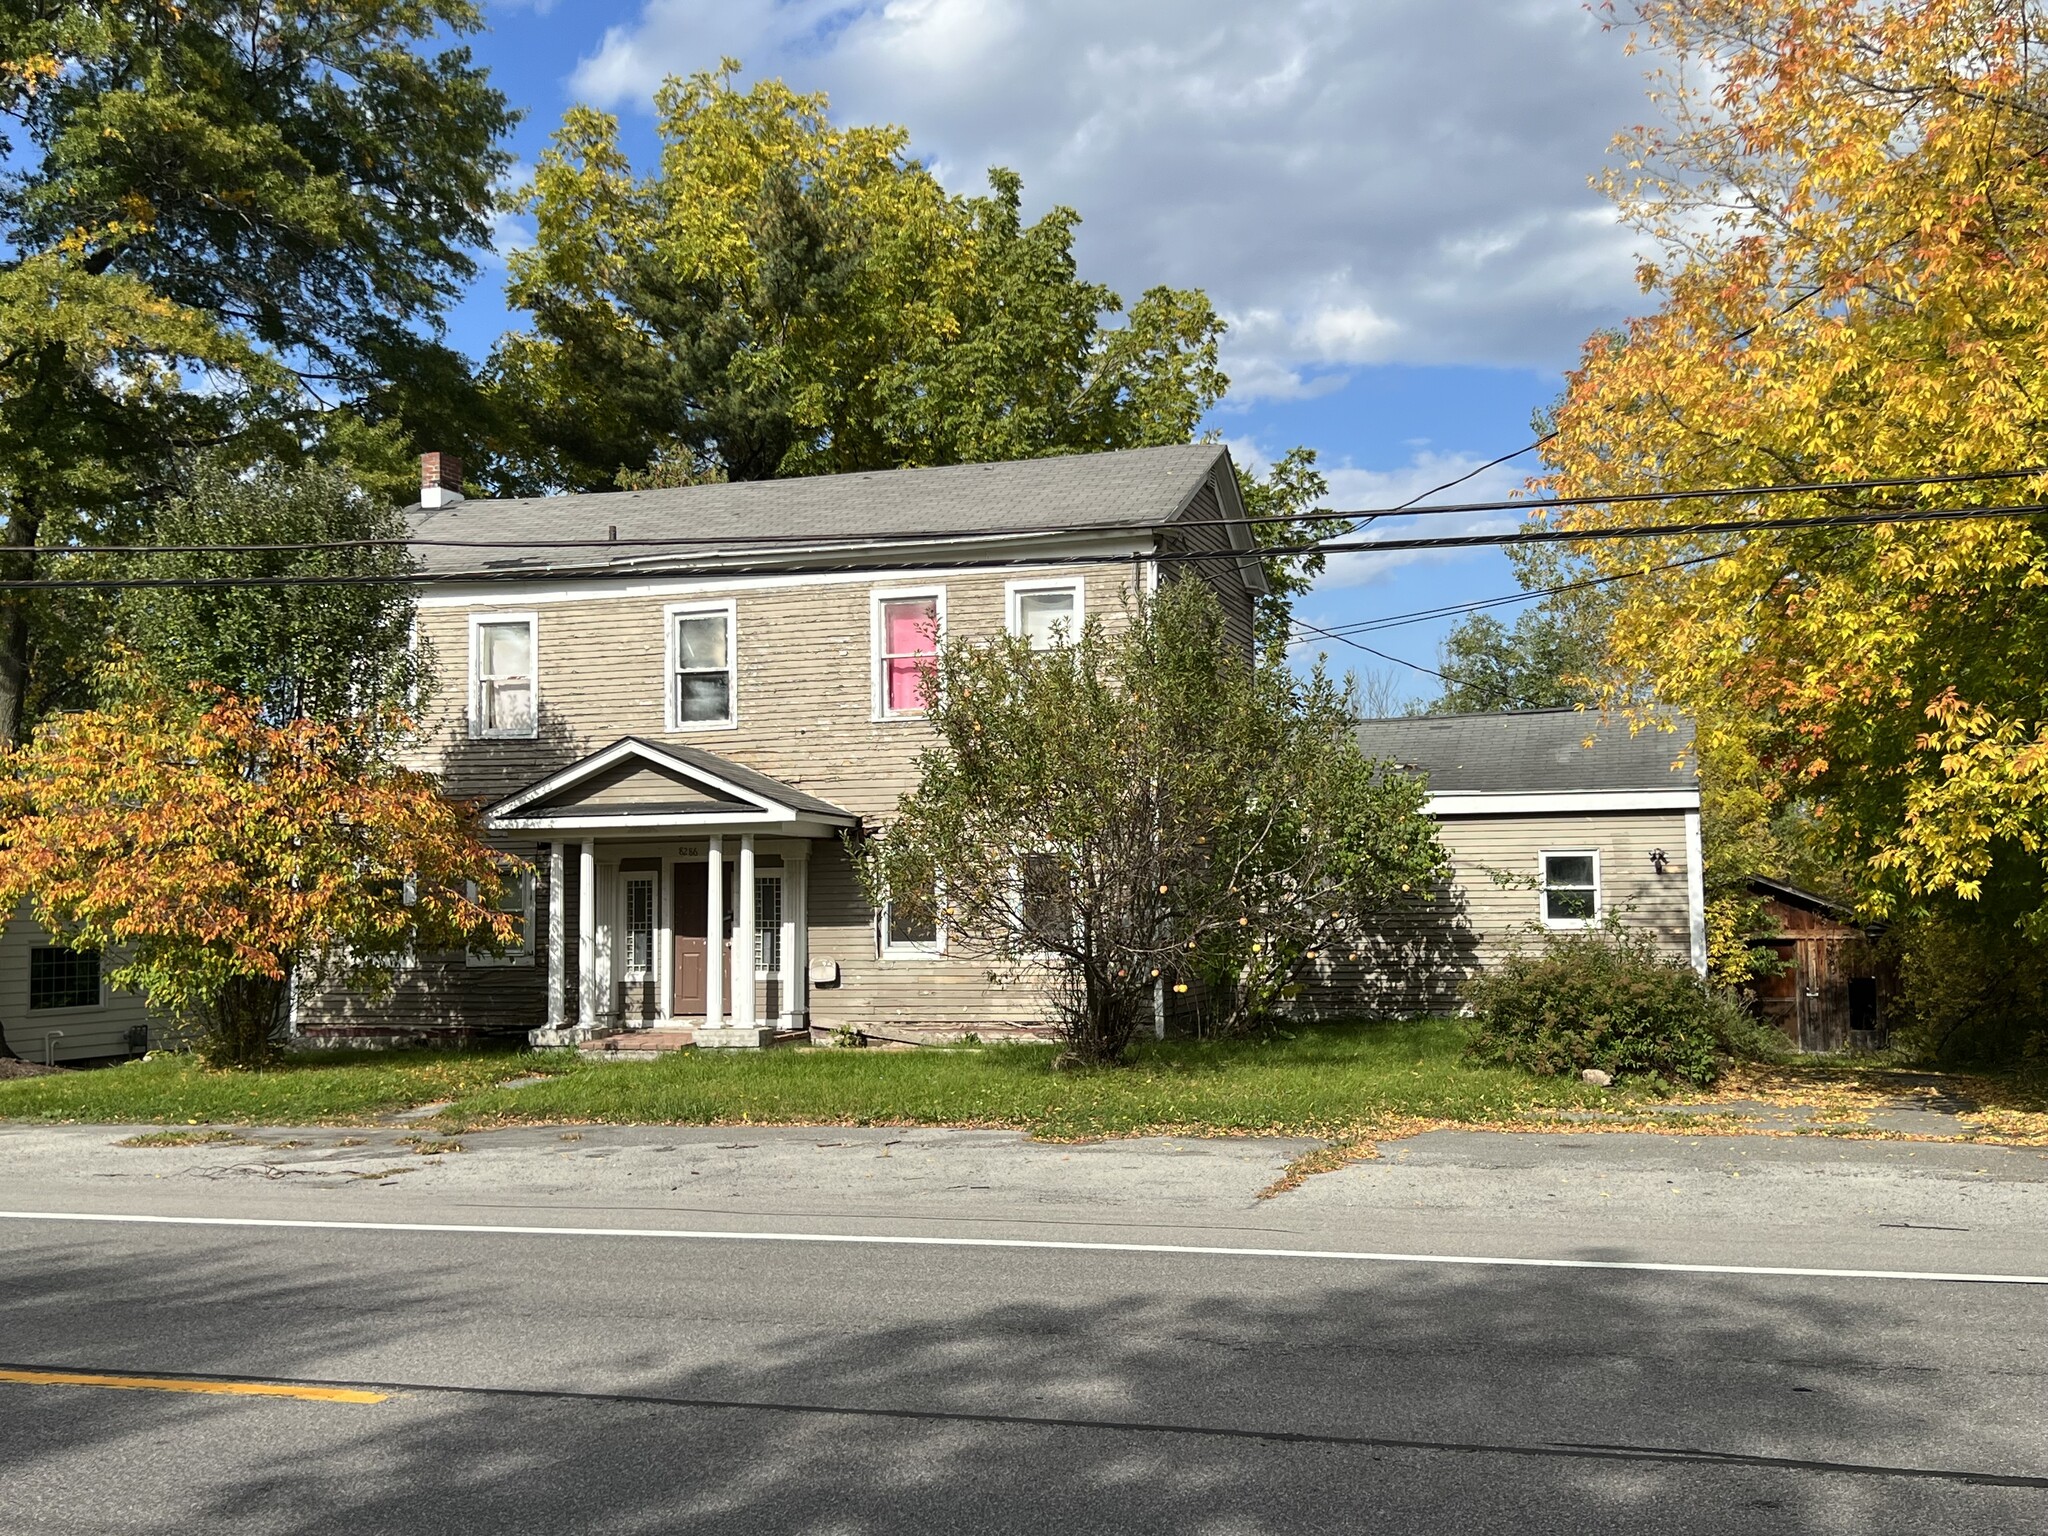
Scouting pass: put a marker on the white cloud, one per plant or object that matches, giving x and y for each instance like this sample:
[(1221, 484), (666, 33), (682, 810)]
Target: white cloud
[(1353, 181), (1365, 489)]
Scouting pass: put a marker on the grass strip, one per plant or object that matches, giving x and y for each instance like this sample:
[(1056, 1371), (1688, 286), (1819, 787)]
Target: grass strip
[(310, 1088)]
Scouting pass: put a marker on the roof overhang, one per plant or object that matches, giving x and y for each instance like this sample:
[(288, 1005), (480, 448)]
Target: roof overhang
[(745, 803), (1560, 802)]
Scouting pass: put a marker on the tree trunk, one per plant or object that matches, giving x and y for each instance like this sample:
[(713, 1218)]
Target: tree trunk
[(23, 527), (240, 1026)]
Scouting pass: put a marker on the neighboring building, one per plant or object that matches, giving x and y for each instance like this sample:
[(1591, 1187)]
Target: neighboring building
[(1835, 986), (1553, 820), (55, 1004), (675, 729)]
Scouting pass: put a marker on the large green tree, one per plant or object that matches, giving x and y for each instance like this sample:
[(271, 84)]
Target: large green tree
[(781, 295), (1147, 808), (271, 625), (222, 219)]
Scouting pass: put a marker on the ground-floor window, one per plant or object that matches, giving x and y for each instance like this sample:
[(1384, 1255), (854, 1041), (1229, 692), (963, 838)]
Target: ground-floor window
[(1571, 889), (63, 978), (639, 927), (768, 925), (911, 928)]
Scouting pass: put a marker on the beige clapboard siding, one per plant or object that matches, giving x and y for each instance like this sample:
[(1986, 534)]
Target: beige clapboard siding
[(444, 992), (805, 704), (87, 1032), (1415, 958), (954, 989), (804, 690)]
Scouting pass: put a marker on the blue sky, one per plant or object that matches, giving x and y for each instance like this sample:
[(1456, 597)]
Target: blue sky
[(1387, 199)]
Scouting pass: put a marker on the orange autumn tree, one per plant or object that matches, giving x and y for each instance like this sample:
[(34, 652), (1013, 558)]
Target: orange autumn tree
[(219, 855), (1847, 213)]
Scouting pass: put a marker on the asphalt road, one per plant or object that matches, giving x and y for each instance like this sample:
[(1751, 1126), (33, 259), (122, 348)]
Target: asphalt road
[(1022, 1338)]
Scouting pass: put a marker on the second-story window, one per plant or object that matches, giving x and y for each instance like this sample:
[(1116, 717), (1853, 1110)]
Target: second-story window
[(502, 686), (908, 626), (1046, 614), (702, 655)]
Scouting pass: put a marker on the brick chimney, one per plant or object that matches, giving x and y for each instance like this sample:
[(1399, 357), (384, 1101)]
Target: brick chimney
[(440, 480)]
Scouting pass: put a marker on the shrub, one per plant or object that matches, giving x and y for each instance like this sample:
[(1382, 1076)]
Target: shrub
[(1606, 998)]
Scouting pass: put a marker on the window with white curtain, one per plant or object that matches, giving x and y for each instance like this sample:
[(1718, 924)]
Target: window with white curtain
[(1046, 615), (502, 692)]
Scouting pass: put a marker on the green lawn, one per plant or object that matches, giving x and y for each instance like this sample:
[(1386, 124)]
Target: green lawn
[(318, 1087), (1326, 1080)]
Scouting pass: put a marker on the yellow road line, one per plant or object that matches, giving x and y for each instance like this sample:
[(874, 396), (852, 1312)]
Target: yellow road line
[(187, 1384)]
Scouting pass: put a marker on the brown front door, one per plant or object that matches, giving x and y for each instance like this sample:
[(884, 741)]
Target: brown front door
[(692, 911)]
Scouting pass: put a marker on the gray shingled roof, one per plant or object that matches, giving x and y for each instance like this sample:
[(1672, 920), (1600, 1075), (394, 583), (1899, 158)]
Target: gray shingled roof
[(1135, 488), (1533, 752)]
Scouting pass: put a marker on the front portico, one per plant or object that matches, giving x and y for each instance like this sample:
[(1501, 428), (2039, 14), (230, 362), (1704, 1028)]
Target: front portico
[(690, 881)]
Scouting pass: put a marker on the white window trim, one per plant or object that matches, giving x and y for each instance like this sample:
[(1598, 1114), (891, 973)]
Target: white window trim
[(1013, 609), (670, 661), (63, 1013), (1543, 888), (895, 951), (1017, 916), (879, 694), (652, 879), (477, 959), (476, 689)]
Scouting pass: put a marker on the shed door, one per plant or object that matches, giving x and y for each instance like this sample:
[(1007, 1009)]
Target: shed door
[(1823, 996)]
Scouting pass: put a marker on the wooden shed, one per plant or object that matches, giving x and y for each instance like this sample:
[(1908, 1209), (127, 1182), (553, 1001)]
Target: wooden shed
[(1833, 989)]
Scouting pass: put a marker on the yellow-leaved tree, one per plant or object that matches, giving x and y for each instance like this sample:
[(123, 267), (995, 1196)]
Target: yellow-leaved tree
[(1845, 209)]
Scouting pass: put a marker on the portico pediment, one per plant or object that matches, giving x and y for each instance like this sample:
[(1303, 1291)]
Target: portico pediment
[(635, 783)]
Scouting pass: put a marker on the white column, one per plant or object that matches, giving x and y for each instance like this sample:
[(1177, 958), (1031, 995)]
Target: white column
[(1696, 890), (558, 941), (796, 949), (586, 934), (714, 946), (606, 971), (743, 939), (665, 938)]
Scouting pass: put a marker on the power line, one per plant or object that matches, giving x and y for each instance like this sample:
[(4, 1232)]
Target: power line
[(1527, 594), (1359, 517), (1359, 645), (1865, 519)]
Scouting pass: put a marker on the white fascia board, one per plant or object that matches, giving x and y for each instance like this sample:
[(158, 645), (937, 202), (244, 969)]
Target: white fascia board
[(1112, 547), (1561, 802), (693, 821)]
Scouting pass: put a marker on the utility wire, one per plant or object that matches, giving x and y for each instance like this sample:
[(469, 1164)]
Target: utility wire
[(1359, 645), (1359, 518), (1527, 594), (1868, 519)]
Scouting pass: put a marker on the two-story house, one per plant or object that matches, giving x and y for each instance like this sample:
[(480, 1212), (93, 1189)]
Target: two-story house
[(677, 707), (679, 704)]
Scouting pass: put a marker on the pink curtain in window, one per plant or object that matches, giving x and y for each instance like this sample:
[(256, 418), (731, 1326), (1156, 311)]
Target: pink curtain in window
[(909, 639)]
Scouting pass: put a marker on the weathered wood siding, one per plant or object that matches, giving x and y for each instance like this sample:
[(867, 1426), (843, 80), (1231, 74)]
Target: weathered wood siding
[(1198, 535), (444, 994), (87, 1032), (804, 696), (804, 711), (1414, 959)]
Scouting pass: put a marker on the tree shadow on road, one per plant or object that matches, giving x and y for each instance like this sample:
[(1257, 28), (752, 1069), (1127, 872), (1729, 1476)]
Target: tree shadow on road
[(1241, 1396)]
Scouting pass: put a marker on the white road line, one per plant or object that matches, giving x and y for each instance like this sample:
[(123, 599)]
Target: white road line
[(880, 1241)]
